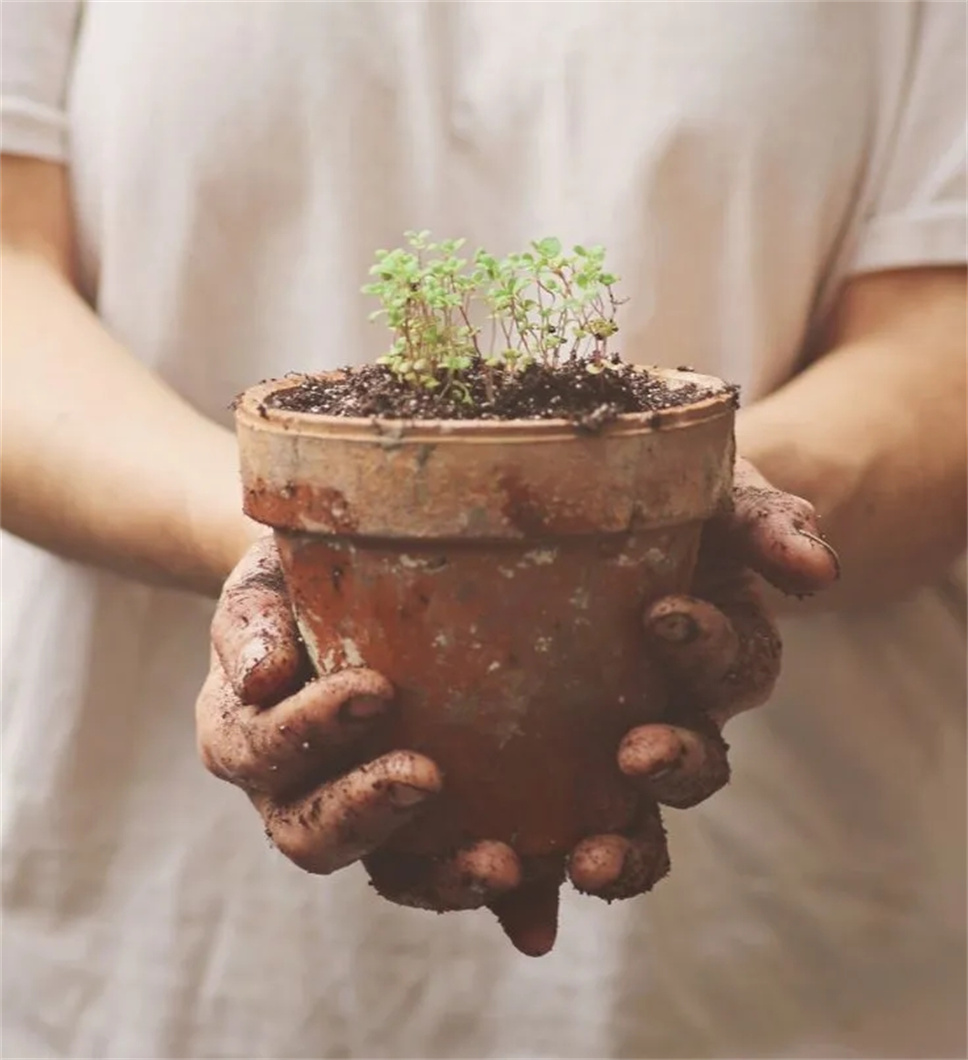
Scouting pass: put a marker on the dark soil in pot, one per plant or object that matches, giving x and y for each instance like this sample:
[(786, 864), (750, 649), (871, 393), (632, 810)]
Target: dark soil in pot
[(567, 391)]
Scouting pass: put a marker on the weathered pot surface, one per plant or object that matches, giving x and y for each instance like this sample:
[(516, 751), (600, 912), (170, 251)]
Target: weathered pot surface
[(496, 573)]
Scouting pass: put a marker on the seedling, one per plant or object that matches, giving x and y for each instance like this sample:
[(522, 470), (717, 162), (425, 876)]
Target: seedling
[(447, 312)]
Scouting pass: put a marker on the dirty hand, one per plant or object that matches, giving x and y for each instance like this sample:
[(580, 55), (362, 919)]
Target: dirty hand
[(291, 741), (721, 651)]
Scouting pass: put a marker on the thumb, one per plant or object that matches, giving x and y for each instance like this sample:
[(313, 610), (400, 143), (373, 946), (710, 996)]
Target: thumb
[(254, 632), (778, 535)]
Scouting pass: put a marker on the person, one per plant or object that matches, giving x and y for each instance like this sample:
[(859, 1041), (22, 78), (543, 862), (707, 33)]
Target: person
[(191, 196)]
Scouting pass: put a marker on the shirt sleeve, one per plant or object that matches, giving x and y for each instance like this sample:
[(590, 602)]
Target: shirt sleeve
[(918, 212), (36, 53)]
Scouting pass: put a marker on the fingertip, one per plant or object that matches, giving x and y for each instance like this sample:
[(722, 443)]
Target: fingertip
[(266, 673), (475, 876), (352, 696), (673, 620), (614, 867), (694, 637), (796, 561), (597, 863), (359, 683), (780, 537), (493, 865), (253, 630), (650, 751), (404, 768), (679, 767), (259, 650), (347, 819), (328, 712), (529, 917), (821, 562)]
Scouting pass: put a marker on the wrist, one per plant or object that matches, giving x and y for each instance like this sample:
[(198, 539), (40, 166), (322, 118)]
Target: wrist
[(219, 531)]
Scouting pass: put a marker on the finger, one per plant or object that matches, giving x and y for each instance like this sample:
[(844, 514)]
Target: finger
[(529, 915), (288, 746), (694, 638), (618, 866), (254, 631), (779, 536), (678, 767), (725, 654), (469, 879), (346, 819)]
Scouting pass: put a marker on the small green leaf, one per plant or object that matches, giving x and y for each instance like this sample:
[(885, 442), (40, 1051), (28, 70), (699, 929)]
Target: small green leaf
[(550, 247)]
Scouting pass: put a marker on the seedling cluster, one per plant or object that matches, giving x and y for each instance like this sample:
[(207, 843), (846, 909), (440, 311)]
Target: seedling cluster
[(447, 312)]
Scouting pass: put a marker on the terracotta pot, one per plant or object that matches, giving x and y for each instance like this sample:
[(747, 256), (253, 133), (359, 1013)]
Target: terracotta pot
[(496, 573)]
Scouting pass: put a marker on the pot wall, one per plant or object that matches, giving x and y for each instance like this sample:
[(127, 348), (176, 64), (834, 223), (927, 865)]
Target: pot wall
[(518, 667)]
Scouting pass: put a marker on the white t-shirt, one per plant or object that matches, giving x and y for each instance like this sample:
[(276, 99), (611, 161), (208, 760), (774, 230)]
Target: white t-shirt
[(234, 165)]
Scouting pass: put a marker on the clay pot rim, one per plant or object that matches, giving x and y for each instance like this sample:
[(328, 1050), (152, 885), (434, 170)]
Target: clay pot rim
[(251, 406)]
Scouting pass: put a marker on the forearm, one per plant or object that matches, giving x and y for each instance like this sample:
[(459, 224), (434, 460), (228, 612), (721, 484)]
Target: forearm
[(101, 461), (874, 435)]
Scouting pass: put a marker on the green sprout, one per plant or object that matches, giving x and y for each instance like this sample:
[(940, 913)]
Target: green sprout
[(447, 312)]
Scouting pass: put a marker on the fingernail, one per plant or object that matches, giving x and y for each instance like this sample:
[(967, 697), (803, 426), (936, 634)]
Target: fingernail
[(675, 627), (404, 795), (831, 552), (362, 708), (668, 763)]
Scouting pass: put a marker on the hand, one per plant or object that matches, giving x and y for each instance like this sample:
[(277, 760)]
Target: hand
[(722, 653), (290, 741), (262, 727)]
